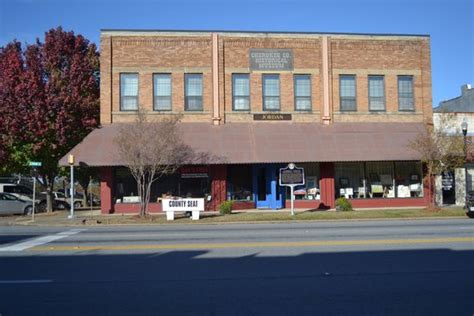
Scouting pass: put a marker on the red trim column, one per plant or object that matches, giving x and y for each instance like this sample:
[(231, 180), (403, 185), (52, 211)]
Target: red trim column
[(106, 189), (327, 185), (218, 174)]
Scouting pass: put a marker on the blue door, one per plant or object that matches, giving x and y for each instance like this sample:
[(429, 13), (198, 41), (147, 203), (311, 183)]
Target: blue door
[(267, 192)]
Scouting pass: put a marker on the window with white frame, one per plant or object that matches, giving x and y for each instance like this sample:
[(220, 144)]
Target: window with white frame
[(240, 92), (302, 92), (376, 93), (405, 93), (347, 92), (162, 92), (129, 92), (193, 92), (271, 92)]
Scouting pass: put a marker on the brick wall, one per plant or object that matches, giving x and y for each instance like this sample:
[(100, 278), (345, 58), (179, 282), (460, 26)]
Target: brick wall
[(180, 52)]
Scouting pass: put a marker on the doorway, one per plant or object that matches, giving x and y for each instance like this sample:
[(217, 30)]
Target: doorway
[(267, 192)]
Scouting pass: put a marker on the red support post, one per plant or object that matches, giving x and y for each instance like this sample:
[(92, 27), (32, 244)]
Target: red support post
[(327, 185), (106, 190), (218, 174)]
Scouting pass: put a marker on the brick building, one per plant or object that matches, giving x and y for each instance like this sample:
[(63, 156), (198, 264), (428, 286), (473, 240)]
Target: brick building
[(342, 106)]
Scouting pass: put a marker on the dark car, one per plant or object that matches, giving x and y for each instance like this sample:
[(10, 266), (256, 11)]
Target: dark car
[(470, 204)]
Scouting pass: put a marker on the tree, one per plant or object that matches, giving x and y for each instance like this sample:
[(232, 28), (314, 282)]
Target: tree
[(52, 96), (150, 150), (440, 151)]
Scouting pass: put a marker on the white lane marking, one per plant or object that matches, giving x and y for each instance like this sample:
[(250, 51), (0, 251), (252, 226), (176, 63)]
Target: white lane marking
[(24, 281), (40, 240)]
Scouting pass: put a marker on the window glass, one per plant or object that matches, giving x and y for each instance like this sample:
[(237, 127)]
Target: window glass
[(405, 93), (241, 92), (193, 92), (310, 190), (239, 182), (271, 92), (302, 92), (347, 91), (129, 92), (349, 180), (380, 179), (408, 178), (376, 93), (162, 89)]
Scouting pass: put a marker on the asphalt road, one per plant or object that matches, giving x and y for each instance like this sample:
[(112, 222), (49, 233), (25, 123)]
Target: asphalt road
[(422, 267)]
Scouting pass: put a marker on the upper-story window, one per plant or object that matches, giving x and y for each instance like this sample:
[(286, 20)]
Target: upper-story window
[(193, 92), (405, 93), (129, 92), (162, 92), (347, 92), (271, 92), (376, 93), (240, 92), (302, 92)]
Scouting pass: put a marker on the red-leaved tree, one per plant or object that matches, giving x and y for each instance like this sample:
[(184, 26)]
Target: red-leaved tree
[(50, 95)]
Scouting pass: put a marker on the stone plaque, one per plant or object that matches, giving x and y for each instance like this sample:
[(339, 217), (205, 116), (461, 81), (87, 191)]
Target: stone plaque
[(271, 59), (272, 117)]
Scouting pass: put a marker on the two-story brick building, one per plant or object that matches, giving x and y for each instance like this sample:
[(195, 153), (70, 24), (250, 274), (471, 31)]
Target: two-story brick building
[(342, 106)]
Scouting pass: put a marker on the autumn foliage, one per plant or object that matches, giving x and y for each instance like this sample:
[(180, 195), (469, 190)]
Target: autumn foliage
[(49, 100)]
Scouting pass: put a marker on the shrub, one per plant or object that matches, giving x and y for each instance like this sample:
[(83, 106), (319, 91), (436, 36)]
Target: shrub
[(343, 204), (226, 207)]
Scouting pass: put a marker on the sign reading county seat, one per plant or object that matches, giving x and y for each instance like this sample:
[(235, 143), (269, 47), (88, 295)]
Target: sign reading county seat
[(271, 59), (291, 176), (183, 205)]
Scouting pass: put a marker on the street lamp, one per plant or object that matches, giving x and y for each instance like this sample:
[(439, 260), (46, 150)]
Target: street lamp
[(464, 132)]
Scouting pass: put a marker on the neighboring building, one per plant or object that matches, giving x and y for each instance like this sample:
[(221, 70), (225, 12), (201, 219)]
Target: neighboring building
[(343, 106), (462, 110)]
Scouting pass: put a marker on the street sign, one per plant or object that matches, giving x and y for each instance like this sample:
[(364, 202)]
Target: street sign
[(35, 164), (291, 176)]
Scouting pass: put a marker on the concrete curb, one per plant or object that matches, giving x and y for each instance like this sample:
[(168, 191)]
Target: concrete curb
[(35, 224)]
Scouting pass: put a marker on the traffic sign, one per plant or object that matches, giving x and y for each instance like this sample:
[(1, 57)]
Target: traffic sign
[(35, 164)]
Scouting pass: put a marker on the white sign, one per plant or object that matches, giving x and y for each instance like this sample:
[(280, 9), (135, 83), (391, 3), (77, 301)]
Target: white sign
[(183, 205)]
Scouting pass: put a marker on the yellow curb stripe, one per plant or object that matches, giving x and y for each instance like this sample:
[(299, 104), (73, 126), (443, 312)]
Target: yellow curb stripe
[(325, 243)]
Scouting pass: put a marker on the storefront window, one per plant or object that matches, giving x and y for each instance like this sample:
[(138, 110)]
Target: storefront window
[(309, 191), (174, 185), (350, 180), (380, 179), (239, 183), (409, 179)]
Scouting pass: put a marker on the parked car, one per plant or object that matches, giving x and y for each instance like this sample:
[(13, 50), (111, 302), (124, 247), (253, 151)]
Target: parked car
[(10, 204), (60, 201), (78, 198), (25, 193), (470, 204)]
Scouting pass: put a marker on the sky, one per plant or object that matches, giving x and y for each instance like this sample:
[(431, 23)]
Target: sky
[(450, 23)]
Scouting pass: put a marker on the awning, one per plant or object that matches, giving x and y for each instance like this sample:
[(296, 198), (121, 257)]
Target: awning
[(272, 142)]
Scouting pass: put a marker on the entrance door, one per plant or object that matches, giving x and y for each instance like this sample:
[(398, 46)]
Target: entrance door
[(267, 192)]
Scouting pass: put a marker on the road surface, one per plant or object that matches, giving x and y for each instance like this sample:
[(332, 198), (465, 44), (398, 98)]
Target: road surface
[(399, 267)]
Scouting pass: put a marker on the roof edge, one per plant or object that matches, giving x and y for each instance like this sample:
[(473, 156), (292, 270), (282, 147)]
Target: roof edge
[(261, 32)]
